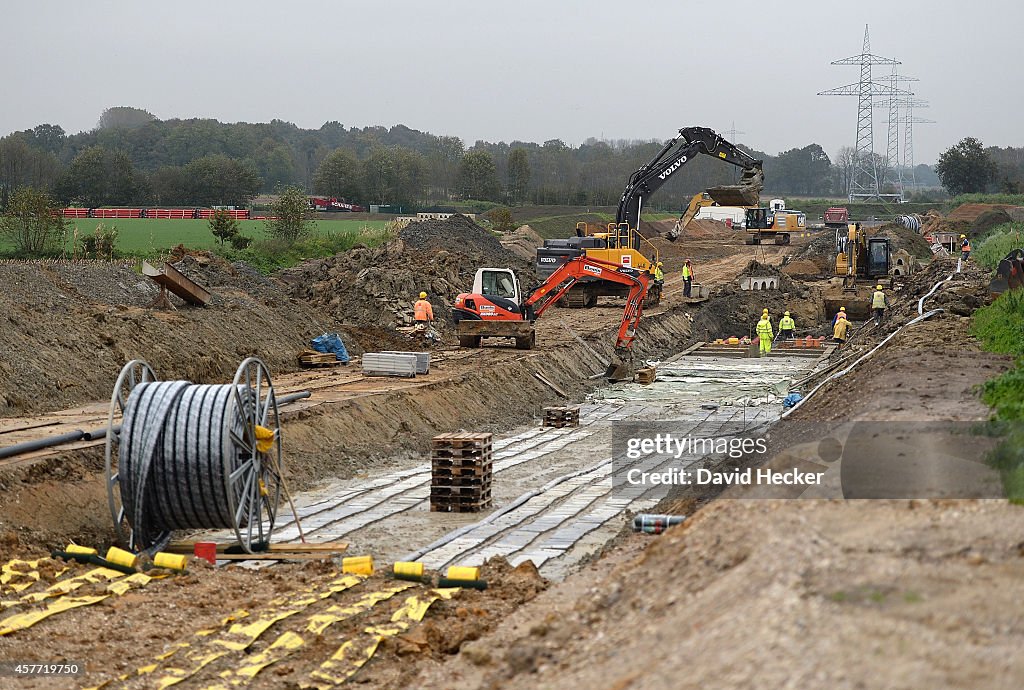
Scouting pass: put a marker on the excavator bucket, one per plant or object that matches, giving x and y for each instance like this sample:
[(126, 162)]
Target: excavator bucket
[(746, 193), (621, 367), (1009, 273)]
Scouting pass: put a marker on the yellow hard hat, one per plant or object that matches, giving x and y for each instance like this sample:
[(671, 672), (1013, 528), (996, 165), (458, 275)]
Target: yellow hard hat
[(878, 287), (963, 237), (660, 264), (423, 295), (764, 311), (787, 313), (842, 308)]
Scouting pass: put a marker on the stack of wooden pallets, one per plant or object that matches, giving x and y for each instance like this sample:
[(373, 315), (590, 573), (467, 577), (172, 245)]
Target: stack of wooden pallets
[(312, 358), (461, 468), (559, 417)]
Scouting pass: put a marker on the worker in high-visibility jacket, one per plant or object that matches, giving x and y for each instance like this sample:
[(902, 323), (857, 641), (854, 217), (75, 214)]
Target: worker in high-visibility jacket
[(965, 248), (423, 313), (687, 278), (659, 274), (765, 333), (878, 304), (840, 329), (786, 327)]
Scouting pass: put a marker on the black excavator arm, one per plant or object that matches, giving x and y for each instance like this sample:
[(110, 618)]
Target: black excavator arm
[(674, 155)]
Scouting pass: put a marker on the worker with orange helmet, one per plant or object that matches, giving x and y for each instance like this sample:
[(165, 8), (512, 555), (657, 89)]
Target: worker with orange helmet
[(965, 248), (422, 311), (840, 329)]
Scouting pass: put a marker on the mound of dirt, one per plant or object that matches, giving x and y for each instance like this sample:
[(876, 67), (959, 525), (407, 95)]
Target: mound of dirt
[(971, 212), (377, 287), (694, 230), (988, 220), (967, 290), (906, 239), (70, 327), (456, 234), (523, 242), (801, 267)]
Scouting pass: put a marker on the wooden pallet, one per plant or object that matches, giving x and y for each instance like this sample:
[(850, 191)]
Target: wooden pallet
[(459, 494), (444, 507), (477, 480), (274, 551), (461, 456), (646, 375), (560, 417), (462, 440), (312, 358)]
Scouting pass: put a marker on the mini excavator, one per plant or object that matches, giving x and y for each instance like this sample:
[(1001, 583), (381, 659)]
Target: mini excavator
[(498, 308)]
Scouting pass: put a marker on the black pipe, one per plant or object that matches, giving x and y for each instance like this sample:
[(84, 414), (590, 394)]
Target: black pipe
[(100, 434), (292, 397), (39, 444)]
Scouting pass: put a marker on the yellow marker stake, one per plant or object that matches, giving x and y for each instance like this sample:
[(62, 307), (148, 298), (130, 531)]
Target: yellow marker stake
[(358, 565), (463, 572)]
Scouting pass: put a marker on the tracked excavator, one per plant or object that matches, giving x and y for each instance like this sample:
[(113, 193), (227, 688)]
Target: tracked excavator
[(620, 243), (498, 307), (861, 262)]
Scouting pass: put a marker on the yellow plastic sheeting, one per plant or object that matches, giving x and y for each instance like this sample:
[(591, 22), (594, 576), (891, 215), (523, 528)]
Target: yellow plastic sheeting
[(20, 621), (17, 575), (288, 642), (65, 586), (354, 653), (240, 636)]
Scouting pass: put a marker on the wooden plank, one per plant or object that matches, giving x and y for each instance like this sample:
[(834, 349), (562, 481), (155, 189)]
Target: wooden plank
[(543, 379), (188, 547)]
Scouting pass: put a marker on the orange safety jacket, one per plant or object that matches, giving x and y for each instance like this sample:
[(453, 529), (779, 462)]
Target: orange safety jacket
[(422, 310), (965, 246)]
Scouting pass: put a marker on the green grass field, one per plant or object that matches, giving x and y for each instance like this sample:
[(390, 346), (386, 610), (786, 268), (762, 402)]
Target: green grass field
[(147, 236)]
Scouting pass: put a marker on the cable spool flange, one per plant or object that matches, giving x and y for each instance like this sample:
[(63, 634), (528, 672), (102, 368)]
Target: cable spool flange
[(194, 457)]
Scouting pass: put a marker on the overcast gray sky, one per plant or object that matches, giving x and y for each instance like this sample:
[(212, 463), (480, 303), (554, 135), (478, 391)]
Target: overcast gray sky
[(529, 70)]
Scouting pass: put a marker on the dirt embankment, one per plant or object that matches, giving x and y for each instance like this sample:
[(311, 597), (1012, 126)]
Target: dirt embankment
[(494, 389), (792, 599), (377, 287), (69, 328)]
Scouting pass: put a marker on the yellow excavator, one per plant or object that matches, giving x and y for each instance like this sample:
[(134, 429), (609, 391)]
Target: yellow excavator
[(620, 242), (861, 262)]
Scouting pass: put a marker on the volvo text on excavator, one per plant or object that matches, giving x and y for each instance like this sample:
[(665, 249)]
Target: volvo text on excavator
[(498, 308), (620, 243)]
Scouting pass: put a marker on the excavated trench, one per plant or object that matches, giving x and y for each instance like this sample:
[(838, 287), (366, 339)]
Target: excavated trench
[(63, 497)]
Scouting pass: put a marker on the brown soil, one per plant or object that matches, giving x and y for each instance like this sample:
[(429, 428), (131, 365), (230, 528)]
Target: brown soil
[(522, 242), (744, 594), (173, 610), (377, 287), (971, 212), (70, 328)]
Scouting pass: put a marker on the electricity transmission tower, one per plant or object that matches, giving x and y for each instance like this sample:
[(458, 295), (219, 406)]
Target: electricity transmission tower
[(892, 171), (864, 183), (909, 120), (733, 133)]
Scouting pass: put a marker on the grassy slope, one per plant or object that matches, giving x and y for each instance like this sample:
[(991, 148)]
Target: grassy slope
[(149, 235)]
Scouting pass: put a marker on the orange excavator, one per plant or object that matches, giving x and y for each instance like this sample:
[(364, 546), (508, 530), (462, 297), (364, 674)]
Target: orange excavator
[(498, 308)]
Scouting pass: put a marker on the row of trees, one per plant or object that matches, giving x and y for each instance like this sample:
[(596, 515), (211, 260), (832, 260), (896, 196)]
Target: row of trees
[(133, 158)]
